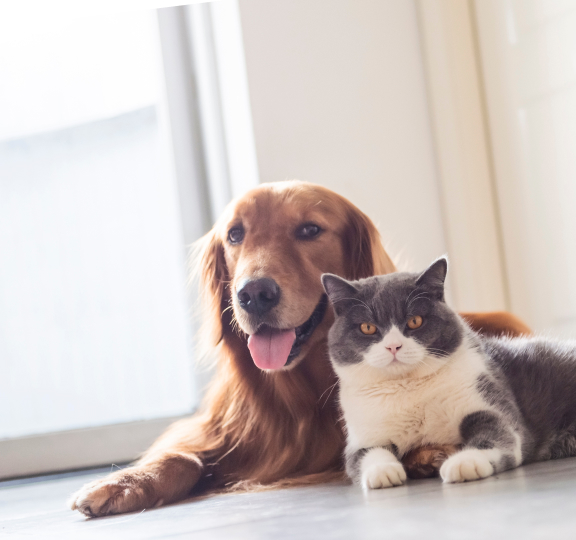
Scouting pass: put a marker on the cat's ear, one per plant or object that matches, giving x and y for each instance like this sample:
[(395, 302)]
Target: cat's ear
[(432, 279), (338, 290)]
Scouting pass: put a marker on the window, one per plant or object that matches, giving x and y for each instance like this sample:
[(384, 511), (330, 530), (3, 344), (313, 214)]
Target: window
[(107, 160)]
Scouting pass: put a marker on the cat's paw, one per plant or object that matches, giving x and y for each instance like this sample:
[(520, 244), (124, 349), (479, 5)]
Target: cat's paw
[(383, 475), (466, 465)]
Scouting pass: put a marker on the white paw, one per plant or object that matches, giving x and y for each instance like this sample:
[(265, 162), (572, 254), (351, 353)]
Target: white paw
[(466, 465), (383, 475)]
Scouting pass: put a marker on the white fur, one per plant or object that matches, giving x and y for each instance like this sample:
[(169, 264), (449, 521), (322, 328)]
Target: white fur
[(379, 468), (426, 407), (470, 464)]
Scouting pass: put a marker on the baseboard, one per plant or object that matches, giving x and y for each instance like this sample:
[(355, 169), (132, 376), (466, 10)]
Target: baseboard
[(79, 448)]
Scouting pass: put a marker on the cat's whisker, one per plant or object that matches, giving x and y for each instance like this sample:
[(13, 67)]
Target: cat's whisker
[(435, 350), (416, 298), (329, 389), (422, 295), (423, 362), (356, 300), (415, 291)]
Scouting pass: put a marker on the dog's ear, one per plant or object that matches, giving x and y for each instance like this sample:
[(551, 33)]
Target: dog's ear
[(211, 273), (363, 249)]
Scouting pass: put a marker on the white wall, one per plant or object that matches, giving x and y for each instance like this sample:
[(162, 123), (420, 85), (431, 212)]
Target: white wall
[(338, 98), (528, 53)]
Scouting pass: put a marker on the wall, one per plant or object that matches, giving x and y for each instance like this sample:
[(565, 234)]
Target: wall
[(527, 52), (338, 98)]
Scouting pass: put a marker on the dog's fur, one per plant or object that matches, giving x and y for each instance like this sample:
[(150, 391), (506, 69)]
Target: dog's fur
[(259, 428)]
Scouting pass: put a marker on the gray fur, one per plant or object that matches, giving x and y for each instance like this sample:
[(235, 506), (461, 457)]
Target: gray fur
[(353, 461), (486, 430), (538, 390), (529, 382)]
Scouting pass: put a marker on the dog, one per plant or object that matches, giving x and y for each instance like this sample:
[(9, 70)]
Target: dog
[(270, 416)]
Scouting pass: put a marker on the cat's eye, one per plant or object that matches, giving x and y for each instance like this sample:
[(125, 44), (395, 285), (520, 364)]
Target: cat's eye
[(367, 328), (414, 322)]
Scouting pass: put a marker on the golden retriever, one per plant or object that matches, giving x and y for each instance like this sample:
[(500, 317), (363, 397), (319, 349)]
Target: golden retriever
[(270, 415)]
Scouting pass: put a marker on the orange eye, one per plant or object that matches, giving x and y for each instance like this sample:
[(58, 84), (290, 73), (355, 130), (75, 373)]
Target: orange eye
[(367, 328), (414, 322)]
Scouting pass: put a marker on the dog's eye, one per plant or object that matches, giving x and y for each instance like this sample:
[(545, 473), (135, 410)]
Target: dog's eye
[(235, 235), (414, 322), (367, 328), (308, 230)]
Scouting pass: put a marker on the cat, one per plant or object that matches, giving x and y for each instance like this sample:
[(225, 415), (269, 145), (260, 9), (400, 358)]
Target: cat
[(412, 373)]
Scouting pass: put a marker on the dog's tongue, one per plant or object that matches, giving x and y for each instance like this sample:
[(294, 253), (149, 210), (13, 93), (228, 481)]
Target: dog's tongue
[(270, 347)]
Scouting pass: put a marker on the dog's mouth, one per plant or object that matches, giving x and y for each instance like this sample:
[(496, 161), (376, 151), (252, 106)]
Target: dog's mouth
[(274, 348)]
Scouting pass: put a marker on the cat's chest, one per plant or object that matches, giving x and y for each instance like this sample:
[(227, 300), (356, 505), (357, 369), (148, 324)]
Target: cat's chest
[(412, 413)]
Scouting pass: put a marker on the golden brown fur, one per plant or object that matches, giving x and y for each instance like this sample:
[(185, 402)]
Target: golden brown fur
[(500, 323), (257, 428)]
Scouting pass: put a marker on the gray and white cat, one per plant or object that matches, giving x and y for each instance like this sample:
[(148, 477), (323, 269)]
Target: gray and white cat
[(413, 373)]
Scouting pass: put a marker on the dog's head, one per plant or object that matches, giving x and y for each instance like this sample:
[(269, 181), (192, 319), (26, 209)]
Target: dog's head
[(263, 260)]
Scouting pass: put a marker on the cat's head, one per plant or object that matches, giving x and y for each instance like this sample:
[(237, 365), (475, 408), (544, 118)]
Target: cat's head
[(399, 323)]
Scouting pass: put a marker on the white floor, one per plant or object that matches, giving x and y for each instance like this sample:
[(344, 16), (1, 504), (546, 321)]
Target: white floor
[(537, 501)]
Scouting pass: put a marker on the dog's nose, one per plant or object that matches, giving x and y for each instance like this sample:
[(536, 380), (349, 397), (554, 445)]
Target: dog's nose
[(258, 296)]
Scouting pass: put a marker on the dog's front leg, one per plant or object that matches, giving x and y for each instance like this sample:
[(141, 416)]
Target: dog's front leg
[(161, 479)]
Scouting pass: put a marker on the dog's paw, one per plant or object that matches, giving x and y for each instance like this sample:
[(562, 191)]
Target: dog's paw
[(466, 465), (383, 475), (123, 491), (425, 462)]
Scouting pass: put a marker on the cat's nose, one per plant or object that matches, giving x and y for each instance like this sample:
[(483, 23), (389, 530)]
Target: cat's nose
[(394, 347)]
